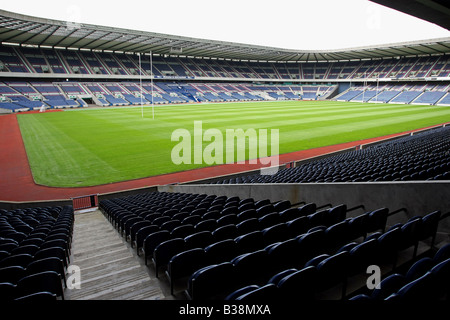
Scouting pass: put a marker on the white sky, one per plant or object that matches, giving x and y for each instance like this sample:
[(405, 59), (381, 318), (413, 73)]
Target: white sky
[(288, 24)]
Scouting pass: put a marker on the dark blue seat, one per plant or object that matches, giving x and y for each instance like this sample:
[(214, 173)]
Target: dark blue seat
[(199, 240), (419, 268), (282, 205), (270, 219), (182, 231), (300, 285), (377, 220), (12, 274), (442, 254), (206, 225), (298, 226), (362, 256), (165, 251), (441, 280), (311, 244), (333, 271), (184, 264), (48, 281), (222, 251), (249, 225), (429, 227), (357, 226), (212, 282), (289, 214), (275, 233), (420, 289), (388, 246), (239, 292), (266, 293), (410, 234), (229, 231), (152, 241), (253, 268), (286, 253), (247, 214), (336, 235), (231, 218), (389, 285), (280, 275), (250, 241)]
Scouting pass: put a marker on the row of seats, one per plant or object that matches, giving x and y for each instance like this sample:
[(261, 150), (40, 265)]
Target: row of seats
[(422, 156), (35, 252), (305, 281), (211, 259), (289, 243), (424, 280), (186, 248), (146, 227)]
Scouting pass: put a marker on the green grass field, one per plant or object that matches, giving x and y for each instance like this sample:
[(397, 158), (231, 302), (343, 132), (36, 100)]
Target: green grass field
[(98, 146)]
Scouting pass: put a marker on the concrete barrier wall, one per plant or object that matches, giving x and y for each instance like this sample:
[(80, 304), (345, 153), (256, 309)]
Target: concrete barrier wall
[(11, 205), (419, 198)]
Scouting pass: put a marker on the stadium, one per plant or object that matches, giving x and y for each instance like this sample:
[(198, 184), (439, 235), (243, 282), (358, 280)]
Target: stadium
[(341, 166)]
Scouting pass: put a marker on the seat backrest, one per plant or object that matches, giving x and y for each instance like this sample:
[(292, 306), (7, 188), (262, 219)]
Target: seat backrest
[(211, 281), (442, 254), (247, 214), (250, 241), (199, 239), (266, 209), (289, 214), (280, 275), (21, 260), (312, 243), (268, 292), (206, 225), (419, 268), (282, 205), (11, 274), (270, 219), (420, 289), (249, 225), (275, 233), (154, 239), (229, 231), (337, 234), (389, 285), (430, 225), (377, 220), (363, 255), (300, 284), (222, 251), (307, 209), (48, 281)]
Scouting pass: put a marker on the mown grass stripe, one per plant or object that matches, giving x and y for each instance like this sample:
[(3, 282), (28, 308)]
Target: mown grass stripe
[(96, 146)]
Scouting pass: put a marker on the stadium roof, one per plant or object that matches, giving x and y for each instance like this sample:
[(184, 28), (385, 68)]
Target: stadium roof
[(435, 11), (28, 30)]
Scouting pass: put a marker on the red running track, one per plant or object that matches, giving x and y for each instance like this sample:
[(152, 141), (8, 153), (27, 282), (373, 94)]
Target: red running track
[(17, 184)]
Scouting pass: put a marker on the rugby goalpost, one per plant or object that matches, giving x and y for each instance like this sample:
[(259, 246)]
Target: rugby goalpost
[(151, 82)]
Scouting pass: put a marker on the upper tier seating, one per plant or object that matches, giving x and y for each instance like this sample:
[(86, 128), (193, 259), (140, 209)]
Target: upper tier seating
[(423, 156)]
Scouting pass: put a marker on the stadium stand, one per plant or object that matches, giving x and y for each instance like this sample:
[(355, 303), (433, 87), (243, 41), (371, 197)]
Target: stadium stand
[(211, 247), (34, 60), (422, 156), (56, 61), (218, 247), (35, 248)]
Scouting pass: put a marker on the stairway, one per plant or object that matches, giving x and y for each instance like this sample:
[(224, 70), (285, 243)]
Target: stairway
[(109, 267)]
